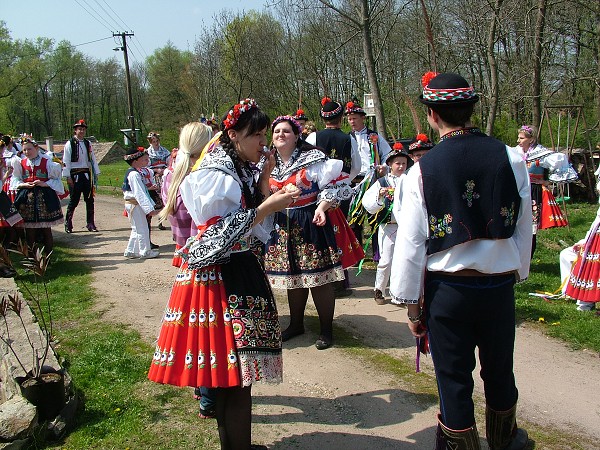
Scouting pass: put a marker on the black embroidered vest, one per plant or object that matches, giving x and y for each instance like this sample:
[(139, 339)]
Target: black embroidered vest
[(337, 145), (470, 191), (75, 149), (126, 186)]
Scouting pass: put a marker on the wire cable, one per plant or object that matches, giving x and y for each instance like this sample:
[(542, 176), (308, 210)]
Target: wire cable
[(95, 17)]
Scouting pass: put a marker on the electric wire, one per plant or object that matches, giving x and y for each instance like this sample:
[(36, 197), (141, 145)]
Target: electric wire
[(106, 14), (99, 14), (93, 16)]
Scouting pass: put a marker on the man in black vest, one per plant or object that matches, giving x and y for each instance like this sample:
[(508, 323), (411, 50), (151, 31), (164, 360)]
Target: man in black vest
[(466, 240), (81, 170)]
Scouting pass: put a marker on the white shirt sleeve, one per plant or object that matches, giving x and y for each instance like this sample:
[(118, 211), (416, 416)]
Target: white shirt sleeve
[(371, 198), (325, 172), (66, 171), (55, 177), (139, 192)]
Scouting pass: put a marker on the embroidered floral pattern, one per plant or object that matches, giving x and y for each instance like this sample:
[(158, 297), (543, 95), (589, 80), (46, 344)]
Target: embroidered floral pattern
[(509, 214), (440, 227), (469, 195)]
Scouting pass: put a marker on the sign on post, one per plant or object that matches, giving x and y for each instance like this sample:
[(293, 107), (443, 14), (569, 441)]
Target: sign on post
[(369, 105)]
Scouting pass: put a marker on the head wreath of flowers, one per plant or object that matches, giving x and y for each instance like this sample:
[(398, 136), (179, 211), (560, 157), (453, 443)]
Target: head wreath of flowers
[(444, 94), (140, 152), (240, 108), (527, 129), (28, 139), (422, 142), (289, 119)]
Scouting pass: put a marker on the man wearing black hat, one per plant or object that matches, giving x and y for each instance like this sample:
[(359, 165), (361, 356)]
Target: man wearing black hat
[(337, 145), (466, 240), (81, 170)]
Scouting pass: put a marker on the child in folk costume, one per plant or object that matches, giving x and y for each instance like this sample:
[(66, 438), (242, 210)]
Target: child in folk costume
[(582, 282), (544, 165), (38, 181), (138, 206), (221, 327), (305, 253), (378, 200)]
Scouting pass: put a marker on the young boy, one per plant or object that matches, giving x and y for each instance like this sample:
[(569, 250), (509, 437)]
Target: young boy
[(138, 204), (378, 201)]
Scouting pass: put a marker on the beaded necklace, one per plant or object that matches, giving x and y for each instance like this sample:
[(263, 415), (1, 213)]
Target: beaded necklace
[(460, 132)]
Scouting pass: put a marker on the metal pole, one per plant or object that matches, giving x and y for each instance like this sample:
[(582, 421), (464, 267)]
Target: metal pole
[(132, 136)]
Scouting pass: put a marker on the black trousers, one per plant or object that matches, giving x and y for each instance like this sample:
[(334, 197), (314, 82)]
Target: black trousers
[(464, 313), (82, 184)]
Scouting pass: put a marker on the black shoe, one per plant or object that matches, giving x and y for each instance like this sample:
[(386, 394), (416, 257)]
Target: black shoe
[(378, 296), (68, 228), (324, 342), (91, 227), (258, 447), (154, 246), (289, 333), (210, 413)]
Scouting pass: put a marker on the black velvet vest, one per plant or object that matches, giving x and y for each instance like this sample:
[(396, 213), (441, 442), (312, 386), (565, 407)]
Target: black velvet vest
[(470, 191), (337, 145)]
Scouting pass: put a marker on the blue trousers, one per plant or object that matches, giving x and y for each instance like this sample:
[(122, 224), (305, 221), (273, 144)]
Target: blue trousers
[(464, 313)]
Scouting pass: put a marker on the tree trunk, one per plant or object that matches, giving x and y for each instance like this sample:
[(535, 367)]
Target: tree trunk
[(370, 66), (493, 67), (536, 85)]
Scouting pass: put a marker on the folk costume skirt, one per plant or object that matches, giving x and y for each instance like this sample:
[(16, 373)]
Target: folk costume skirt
[(584, 281), (301, 254), (546, 211), (220, 328), (348, 246), (39, 207)]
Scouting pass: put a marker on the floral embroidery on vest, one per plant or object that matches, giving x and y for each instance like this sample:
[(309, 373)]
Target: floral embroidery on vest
[(509, 214), (470, 193), (440, 227)]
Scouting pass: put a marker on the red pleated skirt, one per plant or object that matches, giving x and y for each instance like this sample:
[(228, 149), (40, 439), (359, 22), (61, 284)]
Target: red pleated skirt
[(196, 345), (584, 280), (351, 251), (552, 215)]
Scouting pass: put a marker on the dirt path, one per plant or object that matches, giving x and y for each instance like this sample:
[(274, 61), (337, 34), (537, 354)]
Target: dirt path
[(329, 400)]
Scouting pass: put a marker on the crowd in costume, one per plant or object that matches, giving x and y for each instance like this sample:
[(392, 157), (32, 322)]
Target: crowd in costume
[(246, 219)]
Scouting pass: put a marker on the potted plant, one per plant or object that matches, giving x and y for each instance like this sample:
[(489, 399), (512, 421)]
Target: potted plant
[(43, 386)]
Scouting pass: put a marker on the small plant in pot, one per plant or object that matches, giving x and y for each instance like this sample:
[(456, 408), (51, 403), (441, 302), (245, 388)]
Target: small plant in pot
[(43, 386)]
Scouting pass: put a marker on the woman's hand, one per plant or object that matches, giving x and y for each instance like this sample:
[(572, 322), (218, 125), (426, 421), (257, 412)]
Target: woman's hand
[(320, 218), (276, 202), (265, 173), (39, 183)]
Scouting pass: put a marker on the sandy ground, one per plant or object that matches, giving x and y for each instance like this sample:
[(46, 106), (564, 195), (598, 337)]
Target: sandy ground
[(329, 399)]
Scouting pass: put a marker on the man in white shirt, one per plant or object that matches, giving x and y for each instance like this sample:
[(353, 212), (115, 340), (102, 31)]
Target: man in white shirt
[(81, 170), (466, 239)]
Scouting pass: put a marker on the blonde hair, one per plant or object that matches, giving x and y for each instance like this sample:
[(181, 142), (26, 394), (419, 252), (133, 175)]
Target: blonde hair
[(192, 139)]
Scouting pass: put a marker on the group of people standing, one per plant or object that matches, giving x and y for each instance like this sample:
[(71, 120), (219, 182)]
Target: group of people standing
[(454, 235)]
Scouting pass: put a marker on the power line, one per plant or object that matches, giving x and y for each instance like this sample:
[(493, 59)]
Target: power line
[(91, 42), (95, 18), (123, 23), (107, 14)]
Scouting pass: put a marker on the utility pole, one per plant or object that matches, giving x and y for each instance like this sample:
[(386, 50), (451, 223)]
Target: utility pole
[(132, 134)]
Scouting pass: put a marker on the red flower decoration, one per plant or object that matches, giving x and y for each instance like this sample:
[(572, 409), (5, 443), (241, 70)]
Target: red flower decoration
[(300, 112), (398, 146), (350, 105), (422, 137), (373, 138), (325, 100), (427, 77)]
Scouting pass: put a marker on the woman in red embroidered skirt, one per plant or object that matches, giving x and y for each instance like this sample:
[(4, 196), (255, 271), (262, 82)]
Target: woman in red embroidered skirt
[(220, 328)]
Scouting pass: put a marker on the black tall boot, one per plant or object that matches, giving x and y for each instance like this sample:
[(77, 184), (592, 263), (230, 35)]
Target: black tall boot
[(501, 430), (447, 439), (69, 221), (89, 215)]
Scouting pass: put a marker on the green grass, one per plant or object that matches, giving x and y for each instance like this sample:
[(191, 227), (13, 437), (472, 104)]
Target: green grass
[(121, 409), (559, 317), (111, 175)]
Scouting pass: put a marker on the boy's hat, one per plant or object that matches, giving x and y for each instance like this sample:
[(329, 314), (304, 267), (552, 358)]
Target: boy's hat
[(446, 89), (398, 151), (134, 153), (421, 142), (80, 123), (330, 109), (354, 108), (300, 115)]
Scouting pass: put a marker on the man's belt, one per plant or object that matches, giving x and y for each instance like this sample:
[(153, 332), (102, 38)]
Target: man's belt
[(76, 171)]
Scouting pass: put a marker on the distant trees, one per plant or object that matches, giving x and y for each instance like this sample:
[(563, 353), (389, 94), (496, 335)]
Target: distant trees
[(520, 55)]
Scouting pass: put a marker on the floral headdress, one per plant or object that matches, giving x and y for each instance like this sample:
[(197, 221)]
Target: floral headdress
[(527, 129), (422, 142), (289, 119), (28, 139), (134, 154), (153, 134), (238, 109)]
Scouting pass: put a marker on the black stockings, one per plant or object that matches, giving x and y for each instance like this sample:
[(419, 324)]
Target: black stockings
[(234, 417), (324, 299)]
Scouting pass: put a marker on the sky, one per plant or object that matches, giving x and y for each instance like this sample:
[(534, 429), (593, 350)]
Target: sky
[(153, 22)]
